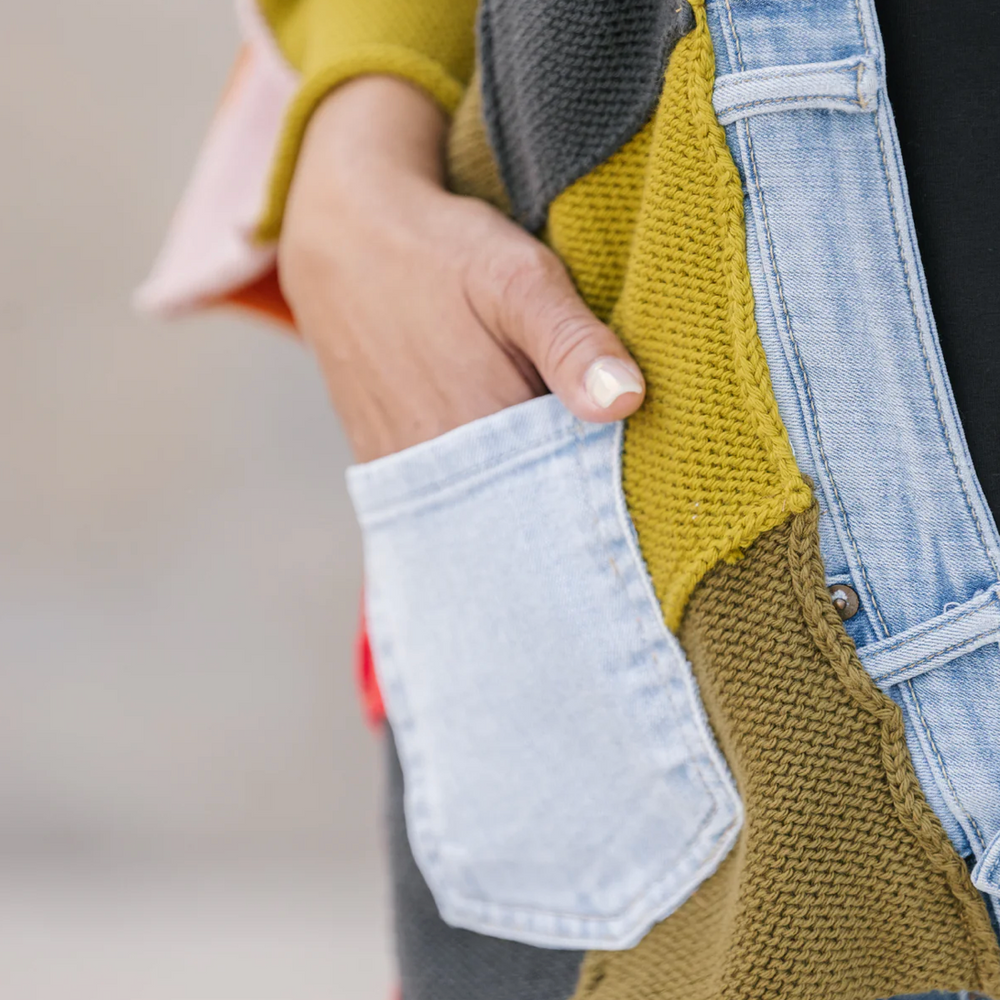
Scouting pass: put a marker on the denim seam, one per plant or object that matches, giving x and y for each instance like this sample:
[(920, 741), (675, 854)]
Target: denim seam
[(407, 732), (944, 430), (736, 37), (805, 381), (859, 70), (861, 27), (811, 70), (721, 786), (788, 327), (927, 363), (941, 764), (796, 99), (971, 640), (648, 606)]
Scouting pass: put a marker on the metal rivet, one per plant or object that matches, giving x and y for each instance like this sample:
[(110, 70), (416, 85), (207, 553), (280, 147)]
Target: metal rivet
[(845, 600)]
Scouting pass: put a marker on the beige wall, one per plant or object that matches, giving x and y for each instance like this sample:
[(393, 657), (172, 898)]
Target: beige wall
[(188, 798)]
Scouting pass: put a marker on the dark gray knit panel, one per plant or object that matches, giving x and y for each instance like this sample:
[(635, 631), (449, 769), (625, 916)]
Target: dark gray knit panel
[(438, 962), (566, 83)]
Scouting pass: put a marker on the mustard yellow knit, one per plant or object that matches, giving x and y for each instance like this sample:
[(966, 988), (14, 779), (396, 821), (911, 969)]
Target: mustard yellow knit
[(654, 238)]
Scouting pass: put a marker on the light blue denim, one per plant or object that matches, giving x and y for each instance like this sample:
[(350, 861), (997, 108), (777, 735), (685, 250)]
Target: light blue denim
[(562, 786), (844, 317)]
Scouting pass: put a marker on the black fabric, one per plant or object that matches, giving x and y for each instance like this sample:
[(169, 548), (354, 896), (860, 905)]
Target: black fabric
[(568, 82), (943, 76), (438, 962)]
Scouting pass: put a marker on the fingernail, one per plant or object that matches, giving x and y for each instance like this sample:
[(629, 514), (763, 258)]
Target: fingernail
[(609, 378)]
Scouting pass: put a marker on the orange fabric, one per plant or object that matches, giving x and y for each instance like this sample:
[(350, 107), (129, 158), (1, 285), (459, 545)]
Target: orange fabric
[(263, 297)]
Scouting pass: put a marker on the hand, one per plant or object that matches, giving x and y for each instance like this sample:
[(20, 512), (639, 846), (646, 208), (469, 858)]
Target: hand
[(427, 310)]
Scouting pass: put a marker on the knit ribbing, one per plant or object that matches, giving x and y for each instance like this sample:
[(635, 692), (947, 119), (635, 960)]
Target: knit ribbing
[(843, 883)]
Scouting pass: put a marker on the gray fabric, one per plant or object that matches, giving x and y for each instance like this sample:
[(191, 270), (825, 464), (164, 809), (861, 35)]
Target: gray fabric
[(566, 83), (438, 962)]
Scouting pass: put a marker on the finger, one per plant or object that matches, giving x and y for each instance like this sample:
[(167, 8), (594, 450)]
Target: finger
[(529, 301)]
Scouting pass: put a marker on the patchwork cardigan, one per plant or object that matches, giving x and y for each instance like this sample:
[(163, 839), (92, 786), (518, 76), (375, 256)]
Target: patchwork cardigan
[(843, 882)]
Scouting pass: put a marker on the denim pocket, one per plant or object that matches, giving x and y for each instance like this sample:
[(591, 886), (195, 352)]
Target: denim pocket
[(562, 787)]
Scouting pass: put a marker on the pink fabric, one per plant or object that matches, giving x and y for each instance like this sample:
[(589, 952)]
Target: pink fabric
[(209, 251)]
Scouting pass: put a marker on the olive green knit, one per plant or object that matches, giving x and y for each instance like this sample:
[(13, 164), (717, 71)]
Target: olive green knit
[(843, 885)]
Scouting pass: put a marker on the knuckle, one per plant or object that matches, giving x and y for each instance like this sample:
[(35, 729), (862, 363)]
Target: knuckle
[(518, 271), (568, 334)]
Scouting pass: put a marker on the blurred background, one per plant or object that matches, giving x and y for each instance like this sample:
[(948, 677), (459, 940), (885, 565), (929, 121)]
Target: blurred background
[(189, 799)]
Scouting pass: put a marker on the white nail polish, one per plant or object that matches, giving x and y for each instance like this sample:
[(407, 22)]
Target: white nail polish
[(607, 379)]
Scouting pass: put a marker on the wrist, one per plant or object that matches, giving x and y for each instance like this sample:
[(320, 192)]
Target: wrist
[(377, 123)]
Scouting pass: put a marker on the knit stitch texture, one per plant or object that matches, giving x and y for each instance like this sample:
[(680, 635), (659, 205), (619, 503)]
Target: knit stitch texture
[(707, 464), (843, 883), (566, 82)]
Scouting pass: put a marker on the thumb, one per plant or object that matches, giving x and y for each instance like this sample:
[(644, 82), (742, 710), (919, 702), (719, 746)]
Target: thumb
[(530, 304)]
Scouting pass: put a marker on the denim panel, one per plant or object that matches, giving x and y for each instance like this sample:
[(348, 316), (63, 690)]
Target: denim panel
[(563, 788), (843, 313)]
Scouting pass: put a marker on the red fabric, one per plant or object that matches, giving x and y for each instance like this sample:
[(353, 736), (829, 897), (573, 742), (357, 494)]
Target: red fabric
[(364, 666), (263, 296)]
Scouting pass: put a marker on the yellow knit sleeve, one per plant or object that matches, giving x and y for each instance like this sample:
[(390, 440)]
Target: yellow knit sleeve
[(431, 43)]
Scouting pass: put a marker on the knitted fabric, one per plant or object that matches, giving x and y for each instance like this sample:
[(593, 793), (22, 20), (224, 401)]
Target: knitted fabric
[(707, 464), (843, 884), (431, 43), (566, 83)]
